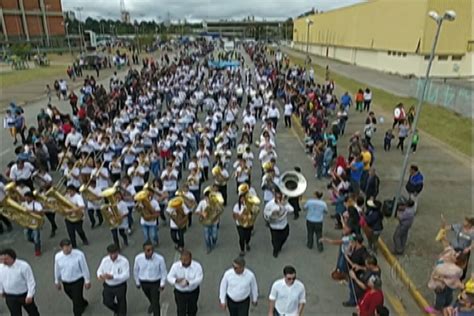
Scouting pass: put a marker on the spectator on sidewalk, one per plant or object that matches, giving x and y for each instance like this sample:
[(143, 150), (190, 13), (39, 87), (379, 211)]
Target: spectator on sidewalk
[(406, 216)]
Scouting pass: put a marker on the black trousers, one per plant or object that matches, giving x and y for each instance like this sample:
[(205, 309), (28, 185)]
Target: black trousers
[(245, 233), (288, 121), (74, 291), (274, 122), (177, 235), (92, 213), (186, 302), (72, 228), (115, 232), (279, 237), (113, 294), (152, 292), (16, 302), (223, 191), (314, 228), (52, 220), (238, 308)]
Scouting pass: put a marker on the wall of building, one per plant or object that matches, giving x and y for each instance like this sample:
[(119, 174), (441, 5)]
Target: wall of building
[(31, 5), (9, 4), (400, 25), (35, 25), (13, 25), (395, 62)]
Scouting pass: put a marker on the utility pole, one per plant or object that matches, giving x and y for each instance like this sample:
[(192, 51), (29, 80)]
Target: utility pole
[(79, 9)]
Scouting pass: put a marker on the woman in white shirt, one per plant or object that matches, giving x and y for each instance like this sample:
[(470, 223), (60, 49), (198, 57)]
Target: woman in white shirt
[(367, 99), (287, 113)]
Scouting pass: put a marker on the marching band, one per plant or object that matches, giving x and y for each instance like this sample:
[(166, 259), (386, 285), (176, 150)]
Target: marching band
[(135, 162)]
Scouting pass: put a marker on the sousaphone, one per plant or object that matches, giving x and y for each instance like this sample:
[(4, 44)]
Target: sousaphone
[(292, 184)]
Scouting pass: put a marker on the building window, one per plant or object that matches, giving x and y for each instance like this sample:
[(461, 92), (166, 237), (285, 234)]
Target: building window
[(399, 53), (443, 57), (404, 54), (389, 52), (456, 57), (427, 57)]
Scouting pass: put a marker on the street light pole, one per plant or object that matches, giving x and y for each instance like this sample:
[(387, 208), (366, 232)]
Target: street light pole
[(67, 37), (450, 16), (307, 61), (79, 9)]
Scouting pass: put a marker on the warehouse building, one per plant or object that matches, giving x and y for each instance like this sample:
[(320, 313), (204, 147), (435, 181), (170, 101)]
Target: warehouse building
[(31, 20), (393, 36)]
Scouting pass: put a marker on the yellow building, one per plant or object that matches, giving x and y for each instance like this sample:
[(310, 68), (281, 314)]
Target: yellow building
[(394, 36)]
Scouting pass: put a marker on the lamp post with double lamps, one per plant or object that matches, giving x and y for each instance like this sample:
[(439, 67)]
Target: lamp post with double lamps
[(439, 19)]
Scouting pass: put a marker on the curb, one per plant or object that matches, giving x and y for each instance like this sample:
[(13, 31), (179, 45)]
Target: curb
[(402, 275)]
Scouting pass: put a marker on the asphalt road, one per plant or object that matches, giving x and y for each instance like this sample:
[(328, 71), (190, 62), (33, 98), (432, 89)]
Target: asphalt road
[(324, 296)]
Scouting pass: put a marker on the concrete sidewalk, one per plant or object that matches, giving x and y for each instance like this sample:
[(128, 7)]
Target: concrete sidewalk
[(448, 187)]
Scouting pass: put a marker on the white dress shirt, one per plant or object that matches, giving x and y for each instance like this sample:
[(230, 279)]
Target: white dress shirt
[(238, 286), (193, 274), (122, 207), (71, 267), (21, 174), (287, 298), (119, 269), (282, 220), (17, 279), (149, 270)]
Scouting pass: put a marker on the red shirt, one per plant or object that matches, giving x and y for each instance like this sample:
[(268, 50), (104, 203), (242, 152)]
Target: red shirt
[(369, 302), (67, 128)]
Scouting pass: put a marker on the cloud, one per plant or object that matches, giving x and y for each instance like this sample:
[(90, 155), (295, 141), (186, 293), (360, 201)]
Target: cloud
[(201, 9)]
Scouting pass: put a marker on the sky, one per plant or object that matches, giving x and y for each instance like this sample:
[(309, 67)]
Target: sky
[(197, 10)]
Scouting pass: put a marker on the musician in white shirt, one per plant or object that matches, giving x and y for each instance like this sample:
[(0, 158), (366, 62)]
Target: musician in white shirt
[(186, 276), (288, 295), (17, 284), (177, 232), (74, 223), (93, 205), (149, 272), (22, 172), (150, 224), (34, 207), (273, 115), (169, 176), (276, 212), (122, 208), (70, 268), (114, 271), (238, 287)]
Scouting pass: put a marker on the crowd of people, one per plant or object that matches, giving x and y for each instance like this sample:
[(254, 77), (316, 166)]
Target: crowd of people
[(160, 146)]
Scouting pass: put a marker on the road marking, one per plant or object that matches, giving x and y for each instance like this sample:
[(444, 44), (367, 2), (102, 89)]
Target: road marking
[(6, 151), (176, 256), (164, 308)]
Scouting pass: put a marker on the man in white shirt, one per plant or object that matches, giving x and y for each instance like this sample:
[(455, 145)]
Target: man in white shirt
[(72, 140), (276, 213), (21, 172), (75, 219), (17, 284), (122, 208), (176, 208), (288, 295), (149, 272), (238, 287), (70, 268), (186, 277), (288, 110), (150, 224), (273, 115), (114, 271), (33, 235), (93, 205)]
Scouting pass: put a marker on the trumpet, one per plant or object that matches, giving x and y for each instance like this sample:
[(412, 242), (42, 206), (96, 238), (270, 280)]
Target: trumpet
[(63, 179)]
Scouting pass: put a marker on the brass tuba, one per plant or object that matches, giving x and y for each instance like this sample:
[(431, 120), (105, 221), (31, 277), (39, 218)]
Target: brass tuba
[(20, 215), (215, 208), (110, 211), (217, 173), (178, 215), (189, 202), (251, 211), (146, 210), (87, 193), (62, 205)]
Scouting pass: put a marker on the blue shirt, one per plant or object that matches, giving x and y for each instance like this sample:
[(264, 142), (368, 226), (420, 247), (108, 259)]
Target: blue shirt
[(346, 99), (357, 173), (315, 210)]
